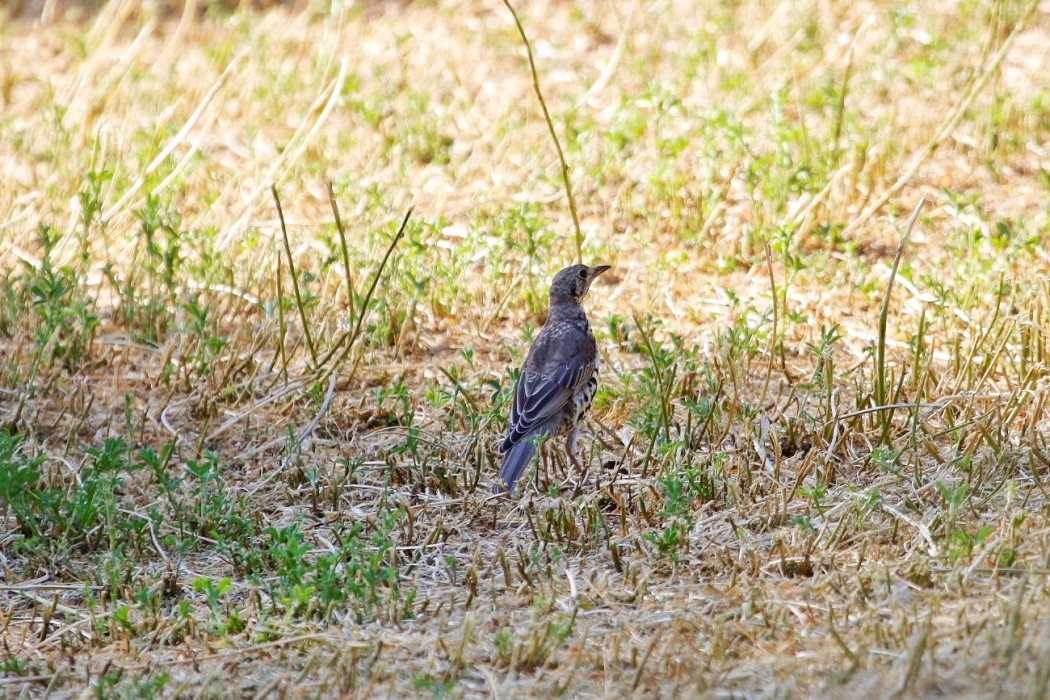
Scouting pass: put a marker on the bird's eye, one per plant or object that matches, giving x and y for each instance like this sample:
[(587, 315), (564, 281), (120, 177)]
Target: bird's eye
[(583, 273)]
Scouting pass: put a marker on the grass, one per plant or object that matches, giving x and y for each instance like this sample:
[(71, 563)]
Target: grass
[(246, 448)]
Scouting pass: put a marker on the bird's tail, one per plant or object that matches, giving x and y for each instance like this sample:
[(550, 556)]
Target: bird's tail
[(514, 463)]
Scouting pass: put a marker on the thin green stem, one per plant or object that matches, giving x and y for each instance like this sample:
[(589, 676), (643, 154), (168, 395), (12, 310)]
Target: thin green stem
[(323, 366), (880, 349), (350, 294), (295, 278), (554, 136)]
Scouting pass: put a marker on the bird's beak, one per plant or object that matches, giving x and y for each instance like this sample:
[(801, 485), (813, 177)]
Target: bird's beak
[(599, 269)]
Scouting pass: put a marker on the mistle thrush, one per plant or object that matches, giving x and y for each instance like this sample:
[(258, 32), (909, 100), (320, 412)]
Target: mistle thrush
[(558, 379)]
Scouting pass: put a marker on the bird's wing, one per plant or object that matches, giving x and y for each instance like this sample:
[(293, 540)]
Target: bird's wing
[(539, 395)]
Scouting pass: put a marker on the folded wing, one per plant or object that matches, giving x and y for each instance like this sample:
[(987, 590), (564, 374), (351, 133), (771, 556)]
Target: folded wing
[(539, 396)]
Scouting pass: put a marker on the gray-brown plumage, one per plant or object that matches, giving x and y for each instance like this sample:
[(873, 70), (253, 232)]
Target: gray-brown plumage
[(558, 379)]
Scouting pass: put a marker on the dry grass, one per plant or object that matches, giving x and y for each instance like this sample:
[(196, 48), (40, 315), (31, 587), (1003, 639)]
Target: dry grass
[(193, 509)]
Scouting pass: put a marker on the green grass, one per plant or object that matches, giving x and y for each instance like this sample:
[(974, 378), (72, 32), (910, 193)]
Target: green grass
[(248, 450)]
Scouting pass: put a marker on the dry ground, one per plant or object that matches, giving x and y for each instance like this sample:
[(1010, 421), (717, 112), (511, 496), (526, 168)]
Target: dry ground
[(212, 486)]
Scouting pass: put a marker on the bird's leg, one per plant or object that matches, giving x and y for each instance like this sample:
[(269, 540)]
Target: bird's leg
[(570, 448), (543, 467)]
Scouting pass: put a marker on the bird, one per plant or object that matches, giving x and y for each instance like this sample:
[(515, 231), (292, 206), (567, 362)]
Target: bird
[(558, 379)]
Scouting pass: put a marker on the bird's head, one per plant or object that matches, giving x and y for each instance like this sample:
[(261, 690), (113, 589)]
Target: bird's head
[(573, 282)]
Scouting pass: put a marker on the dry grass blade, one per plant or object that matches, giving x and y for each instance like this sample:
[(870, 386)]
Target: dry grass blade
[(174, 143)]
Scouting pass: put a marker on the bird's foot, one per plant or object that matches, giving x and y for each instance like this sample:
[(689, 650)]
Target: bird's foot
[(578, 484)]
